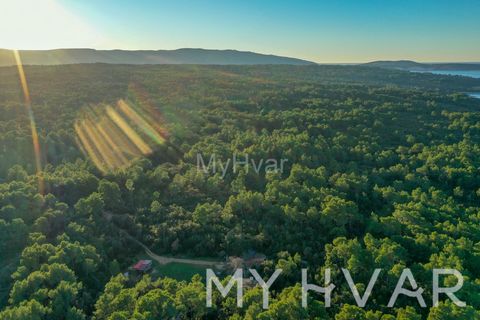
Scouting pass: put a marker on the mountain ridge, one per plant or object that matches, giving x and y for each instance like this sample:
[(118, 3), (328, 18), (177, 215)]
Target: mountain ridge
[(118, 56)]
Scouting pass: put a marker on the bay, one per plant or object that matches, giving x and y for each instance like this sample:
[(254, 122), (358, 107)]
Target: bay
[(465, 73), (474, 95)]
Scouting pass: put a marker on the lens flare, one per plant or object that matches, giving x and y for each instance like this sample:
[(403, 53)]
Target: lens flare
[(140, 122), (114, 136), (128, 131), (33, 126)]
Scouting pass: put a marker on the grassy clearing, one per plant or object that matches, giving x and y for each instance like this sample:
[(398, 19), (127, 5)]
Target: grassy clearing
[(177, 271)]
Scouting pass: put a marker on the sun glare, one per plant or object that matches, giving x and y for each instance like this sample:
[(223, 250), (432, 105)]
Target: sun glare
[(43, 24), (114, 136)]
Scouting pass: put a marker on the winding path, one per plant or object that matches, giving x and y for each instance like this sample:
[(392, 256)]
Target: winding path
[(164, 259)]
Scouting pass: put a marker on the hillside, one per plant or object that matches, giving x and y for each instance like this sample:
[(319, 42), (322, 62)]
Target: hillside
[(179, 56)]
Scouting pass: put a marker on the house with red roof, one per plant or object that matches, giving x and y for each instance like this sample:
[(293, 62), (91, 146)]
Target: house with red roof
[(143, 266)]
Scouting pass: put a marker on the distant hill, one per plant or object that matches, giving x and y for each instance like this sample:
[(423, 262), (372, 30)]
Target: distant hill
[(179, 56), (416, 66)]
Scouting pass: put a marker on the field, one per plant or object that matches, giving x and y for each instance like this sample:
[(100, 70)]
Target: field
[(175, 270), (180, 271)]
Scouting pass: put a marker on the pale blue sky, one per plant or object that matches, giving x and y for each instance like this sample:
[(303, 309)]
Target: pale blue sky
[(323, 31)]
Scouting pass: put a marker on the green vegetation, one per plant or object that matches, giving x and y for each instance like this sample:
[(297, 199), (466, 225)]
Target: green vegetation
[(382, 172), (174, 270), (179, 271)]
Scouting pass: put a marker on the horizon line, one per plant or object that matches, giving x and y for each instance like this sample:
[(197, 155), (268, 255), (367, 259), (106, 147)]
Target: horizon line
[(247, 51)]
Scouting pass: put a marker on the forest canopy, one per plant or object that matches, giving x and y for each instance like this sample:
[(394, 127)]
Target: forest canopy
[(382, 172)]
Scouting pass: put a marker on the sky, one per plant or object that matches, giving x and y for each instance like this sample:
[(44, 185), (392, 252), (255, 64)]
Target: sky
[(343, 31)]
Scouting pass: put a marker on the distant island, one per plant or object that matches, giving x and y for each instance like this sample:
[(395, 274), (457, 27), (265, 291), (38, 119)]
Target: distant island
[(179, 56), (417, 66)]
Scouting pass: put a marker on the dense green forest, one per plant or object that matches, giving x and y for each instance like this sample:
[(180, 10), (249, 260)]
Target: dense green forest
[(383, 172)]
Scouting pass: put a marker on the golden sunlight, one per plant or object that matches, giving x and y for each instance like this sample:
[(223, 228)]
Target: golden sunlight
[(33, 126), (43, 24), (114, 136)]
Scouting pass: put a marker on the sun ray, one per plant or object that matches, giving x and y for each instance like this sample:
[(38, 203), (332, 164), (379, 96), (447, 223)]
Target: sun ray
[(90, 149), (140, 122), (33, 126), (122, 160), (132, 135), (113, 136), (105, 151), (121, 144), (125, 146)]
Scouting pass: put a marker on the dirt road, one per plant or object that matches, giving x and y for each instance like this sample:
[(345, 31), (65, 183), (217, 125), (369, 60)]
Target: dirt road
[(166, 260)]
